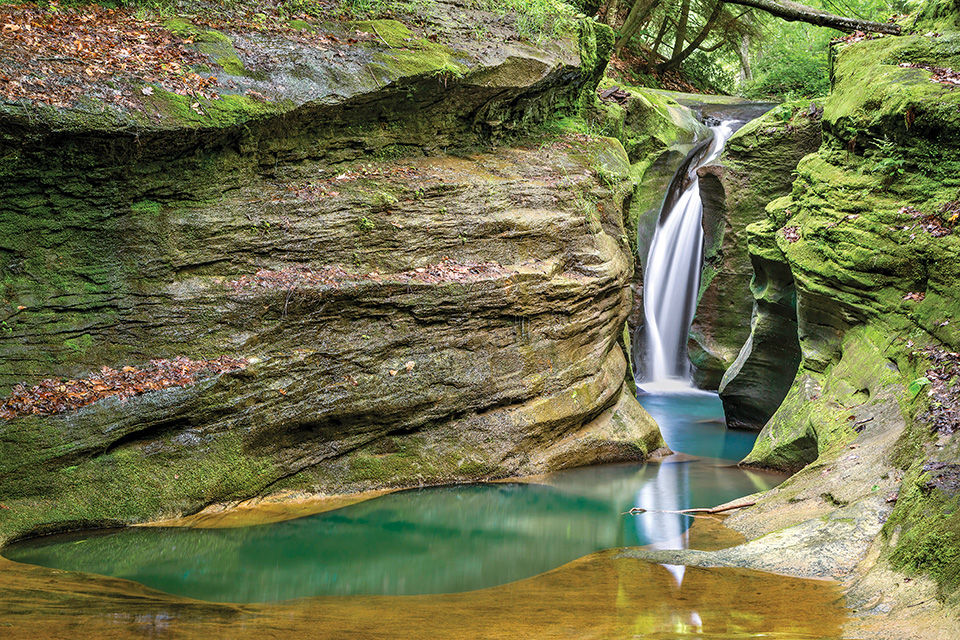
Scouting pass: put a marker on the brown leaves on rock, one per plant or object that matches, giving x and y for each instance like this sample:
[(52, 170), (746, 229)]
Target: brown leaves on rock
[(931, 223), (57, 396), (447, 270), (791, 234), (857, 36), (944, 376), (56, 57), (915, 296), (291, 277), (943, 75)]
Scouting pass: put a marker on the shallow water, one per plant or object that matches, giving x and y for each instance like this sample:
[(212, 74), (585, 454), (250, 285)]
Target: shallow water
[(508, 560), (439, 540), (537, 541), (599, 596)]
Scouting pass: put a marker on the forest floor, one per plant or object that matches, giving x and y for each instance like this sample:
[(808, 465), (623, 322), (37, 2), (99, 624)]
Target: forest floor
[(58, 56)]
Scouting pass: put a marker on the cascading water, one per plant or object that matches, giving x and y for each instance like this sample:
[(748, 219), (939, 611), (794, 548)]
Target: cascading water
[(672, 276)]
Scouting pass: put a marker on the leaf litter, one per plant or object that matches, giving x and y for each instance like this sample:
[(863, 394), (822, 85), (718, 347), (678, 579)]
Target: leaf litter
[(446, 270), (943, 415), (53, 396), (58, 57)]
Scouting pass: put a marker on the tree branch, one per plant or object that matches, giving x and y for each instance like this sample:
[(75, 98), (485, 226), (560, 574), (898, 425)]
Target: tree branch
[(634, 511)]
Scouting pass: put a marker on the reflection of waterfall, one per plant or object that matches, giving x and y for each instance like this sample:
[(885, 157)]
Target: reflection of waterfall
[(672, 276), (668, 491)]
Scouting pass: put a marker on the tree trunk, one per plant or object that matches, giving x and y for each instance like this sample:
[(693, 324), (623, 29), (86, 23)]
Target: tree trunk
[(638, 14), (656, 44), (681, 29), (792, 11), (746, 73), (613, 8), (680, 56)]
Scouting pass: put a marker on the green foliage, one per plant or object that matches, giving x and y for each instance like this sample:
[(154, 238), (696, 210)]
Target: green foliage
[(365, 224), (790, 59), (711, 72), (886, 161), (916, 386), (535, 19), (792, 65)]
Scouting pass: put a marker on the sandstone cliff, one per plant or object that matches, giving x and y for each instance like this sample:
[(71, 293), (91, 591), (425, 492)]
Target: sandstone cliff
[(399, 307)]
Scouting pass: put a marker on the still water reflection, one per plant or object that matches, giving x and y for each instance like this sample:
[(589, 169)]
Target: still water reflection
[(429, 541)]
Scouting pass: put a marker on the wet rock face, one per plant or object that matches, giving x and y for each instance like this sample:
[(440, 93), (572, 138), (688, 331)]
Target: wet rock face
[(756, 167), (755, 385), (410, 322), (405, 318)]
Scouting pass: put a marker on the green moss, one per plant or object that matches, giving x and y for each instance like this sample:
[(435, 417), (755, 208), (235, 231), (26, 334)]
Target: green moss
[(182, 28), (126, 484), (409, 56), (604, 155), (393, 33), (814, 418), (937, 15), (416, 459), (595, 43), (928, 520), (226, 111), (425, 62), (148, 207), (875, 100), (656, 121), (80, 344), (301, 25), (217, 45)]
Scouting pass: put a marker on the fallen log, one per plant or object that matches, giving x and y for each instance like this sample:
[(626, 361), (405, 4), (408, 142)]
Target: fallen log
[(795, 12)]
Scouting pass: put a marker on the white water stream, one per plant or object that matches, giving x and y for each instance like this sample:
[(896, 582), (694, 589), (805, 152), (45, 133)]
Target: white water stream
[(672, 277)]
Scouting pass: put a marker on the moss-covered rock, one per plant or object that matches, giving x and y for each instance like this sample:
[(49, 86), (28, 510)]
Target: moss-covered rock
[(756, 167), (754, 386), (372, 376), (868, 234)]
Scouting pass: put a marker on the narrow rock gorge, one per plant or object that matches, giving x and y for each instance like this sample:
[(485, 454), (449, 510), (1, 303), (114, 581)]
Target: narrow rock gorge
[(390, 255)]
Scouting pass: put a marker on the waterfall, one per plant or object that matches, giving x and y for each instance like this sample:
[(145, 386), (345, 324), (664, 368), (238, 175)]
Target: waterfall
[(672, 278)]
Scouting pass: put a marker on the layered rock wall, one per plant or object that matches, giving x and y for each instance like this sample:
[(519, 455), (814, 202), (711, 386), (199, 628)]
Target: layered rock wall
[(403, 315), (756, 167)]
